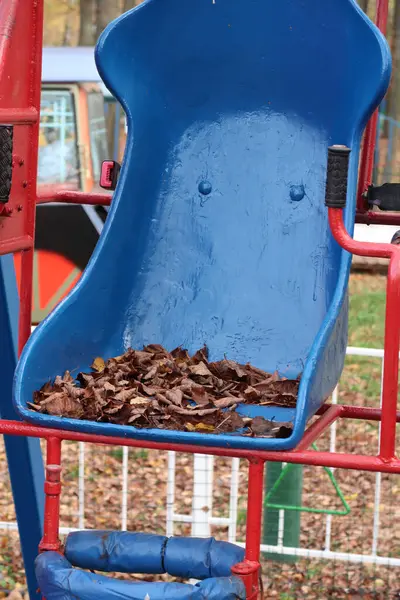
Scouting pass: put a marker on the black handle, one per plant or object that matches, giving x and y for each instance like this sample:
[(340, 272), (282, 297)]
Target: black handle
[(6, 150), (337, 172)]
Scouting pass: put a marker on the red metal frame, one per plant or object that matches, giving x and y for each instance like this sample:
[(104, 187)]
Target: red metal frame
[(18, 233), (367, 154)]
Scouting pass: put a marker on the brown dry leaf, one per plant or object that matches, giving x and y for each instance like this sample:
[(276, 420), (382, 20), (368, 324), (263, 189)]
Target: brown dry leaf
[(150, 373), (174, 396), (125, 395), (251, 394), (260, 426), (139, 401), (62, 405), (198, 413), (200, 395), (201, 355), (226, 402), (109, 387), (98, 364), (200, 369)]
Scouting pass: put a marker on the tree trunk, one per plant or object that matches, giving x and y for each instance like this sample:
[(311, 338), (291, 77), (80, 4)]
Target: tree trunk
[(393, 98), (364, 5), (128, 4), (86, 28), (106, 11)]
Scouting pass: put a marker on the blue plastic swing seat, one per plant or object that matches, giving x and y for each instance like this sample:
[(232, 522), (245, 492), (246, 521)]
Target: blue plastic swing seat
[(218, 232), (123, 552)]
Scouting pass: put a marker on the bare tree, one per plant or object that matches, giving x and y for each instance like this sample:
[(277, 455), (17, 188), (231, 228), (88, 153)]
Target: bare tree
[(96, 14), (128, 4), (86, 23), (106, 11), (364, 5), (393, 96)]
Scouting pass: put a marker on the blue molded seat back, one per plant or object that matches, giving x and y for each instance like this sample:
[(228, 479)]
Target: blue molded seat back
[(218, 232)]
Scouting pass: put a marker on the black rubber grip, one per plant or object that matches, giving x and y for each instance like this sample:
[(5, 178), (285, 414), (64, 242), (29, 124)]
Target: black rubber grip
[(336, 180), (6, 149)]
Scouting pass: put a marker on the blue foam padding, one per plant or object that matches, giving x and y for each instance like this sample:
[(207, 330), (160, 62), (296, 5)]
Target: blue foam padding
[(58, 580), (217, 231), (125, 552), (201, 558), (116, 551)]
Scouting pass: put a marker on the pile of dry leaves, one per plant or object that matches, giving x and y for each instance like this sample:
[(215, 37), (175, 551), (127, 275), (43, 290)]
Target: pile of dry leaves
[(153, 388)]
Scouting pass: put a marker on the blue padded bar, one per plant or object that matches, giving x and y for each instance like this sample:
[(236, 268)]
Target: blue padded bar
[(200, 558), (58, 580), (125, 552)]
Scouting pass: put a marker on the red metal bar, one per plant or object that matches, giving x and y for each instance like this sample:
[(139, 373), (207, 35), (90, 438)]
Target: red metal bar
[(249, 569), (23, 243), (387, 448), (70, 197), (249, 572), (306, 457), (367, 154), (348, 243), (8, 12), (382, 11), (367, 162), (25, 299), (19, 116), (378, 218), (318, 427), (364, 413), (52, 490), (392, 326), (254, 509)]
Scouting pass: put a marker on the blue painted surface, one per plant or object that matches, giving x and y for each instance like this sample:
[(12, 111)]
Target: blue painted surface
[(218, 232), (24, 457), (58, 580), (127, 552)]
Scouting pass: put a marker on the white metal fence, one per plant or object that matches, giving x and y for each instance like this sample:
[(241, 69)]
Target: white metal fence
[(202, 518)]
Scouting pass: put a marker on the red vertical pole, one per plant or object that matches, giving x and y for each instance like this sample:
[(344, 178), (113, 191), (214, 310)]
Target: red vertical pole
[(367, 156), (25, 298), (391, 361), (52, 490), (254, 510), (249, 569)]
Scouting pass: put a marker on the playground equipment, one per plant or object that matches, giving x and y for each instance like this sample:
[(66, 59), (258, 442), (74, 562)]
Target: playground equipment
[(194, 188), (220, 193)]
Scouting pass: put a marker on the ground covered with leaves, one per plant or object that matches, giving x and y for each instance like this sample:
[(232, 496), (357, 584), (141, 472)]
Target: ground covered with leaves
[(154, 388)]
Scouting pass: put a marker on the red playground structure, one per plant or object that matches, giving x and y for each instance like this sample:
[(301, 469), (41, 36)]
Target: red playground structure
[(242, 121)]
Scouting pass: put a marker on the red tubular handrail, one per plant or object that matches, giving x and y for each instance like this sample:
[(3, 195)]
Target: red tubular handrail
[(372, 217), (70, 197), (392, 326)]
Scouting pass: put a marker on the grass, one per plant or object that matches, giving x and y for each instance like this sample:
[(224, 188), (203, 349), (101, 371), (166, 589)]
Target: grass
[(366, 329), (367, 310)]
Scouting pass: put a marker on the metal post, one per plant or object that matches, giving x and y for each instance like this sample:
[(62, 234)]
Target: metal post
[(280, 527), (203, 466), (24, 457)]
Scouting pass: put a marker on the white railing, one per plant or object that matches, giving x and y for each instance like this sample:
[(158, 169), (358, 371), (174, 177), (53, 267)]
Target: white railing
[(201, 517)]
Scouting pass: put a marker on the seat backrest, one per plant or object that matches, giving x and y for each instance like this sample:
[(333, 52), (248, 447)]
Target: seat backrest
[(218, 231)]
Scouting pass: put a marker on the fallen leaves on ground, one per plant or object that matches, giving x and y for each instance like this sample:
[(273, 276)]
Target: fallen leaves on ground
[(154, 388)]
